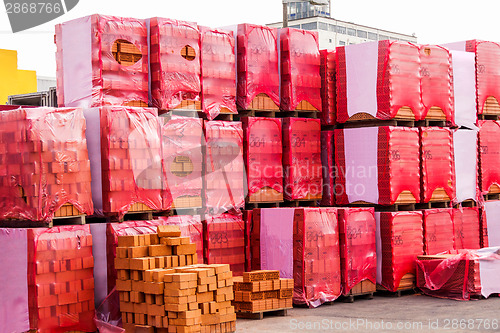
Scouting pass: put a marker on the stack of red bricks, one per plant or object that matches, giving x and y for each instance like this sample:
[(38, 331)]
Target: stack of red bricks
[(45, 164), (262, 290), (225, 241), (438, 230), (61, 279), (160, 289)]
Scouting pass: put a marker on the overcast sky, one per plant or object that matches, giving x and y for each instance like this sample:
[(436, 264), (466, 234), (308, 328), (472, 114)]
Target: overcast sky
[(433, 21)]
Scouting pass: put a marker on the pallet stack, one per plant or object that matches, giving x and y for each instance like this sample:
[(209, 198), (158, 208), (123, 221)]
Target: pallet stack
[(261, 291), (45, 165), (328, 87), (438, 230), (329, 170), (192, 227), (466, 228), (107, 66), (61, 279)]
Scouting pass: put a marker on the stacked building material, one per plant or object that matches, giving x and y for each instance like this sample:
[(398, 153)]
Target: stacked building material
[(258, 73), (377, 165), (489, 156), (466, 228), (102, 60), (225, 169), (60, 279), (182, 159), (465, 155), (399, 240), (328, 74), (438, 167), (45, 165), (436, 83), (124, 146), (224, 239), (300, 70), (438, 230), (262, 290), (175, 64), (382, 80), (218, 72), (316, 256), (329, 171), (358, 252), (302, 159), (263, 158)]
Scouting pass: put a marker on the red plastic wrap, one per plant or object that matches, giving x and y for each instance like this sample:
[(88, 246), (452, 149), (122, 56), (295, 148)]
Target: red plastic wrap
[(379, 165), (258, 62), (300, 69), (358, 249), (182, 158), (393, 81), (225, 169), (316, 256), (44, 163), (175, 62), (328, 162), (487, 74), (483, 231), (191, 227), (302, 158), (438, 167), (248, 219), (60, 279), (466, 228), (438, 230), (401, 240), (218, 72), (328, 72), (437, 82), (263, 158), (224, 239), (454, 276), (489, 156), (131, 159), (120, 229), (102, 60)]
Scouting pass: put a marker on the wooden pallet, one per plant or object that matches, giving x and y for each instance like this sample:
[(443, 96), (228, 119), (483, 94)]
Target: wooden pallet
[(137, 211), (466, 203), (431, 122), (491, 196), (300, 203), (255, 113), (298, 114), (373, 122), (364, 289), (406, 287), (491, 106), (260, 315), (262, 102), (433, 205)]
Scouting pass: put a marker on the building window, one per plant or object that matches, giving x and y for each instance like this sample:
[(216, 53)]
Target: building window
[(323, 26), (310, 26), (341, 30), (297, 26), (330, 40), (331, 27), (351, 32), (372, 36), (362, 34), (341, 43), (383, 37)]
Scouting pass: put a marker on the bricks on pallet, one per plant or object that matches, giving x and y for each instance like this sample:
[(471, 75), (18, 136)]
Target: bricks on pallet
[(436, 83), (316, 266), (218, 72), (487, 55), (126, 147), (225, 241), (225, 168), (272, 240), (358, 257), (263, 152), (438, 230), (45, 164), (110, 60), (437, 165), (466, 228), (465, 155), (328, 163), (258, 71), (489, 156), (382, 80), (182, 159), (302, 159), (260, 291), (399, 240), (490, 224), (175, 62), (328, 72), (192, 227), (377, 165), (61, 279), (300, 70)]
